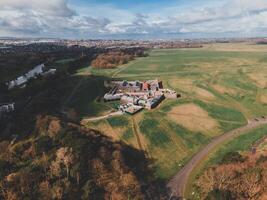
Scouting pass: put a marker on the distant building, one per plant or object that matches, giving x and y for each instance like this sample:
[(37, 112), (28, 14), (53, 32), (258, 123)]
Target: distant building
[(133, 109), (170, 93), (146, 86), (129, 99), (34, 73), (50, 72), (6, 108), (112, 97), (154, 102), (38, 70)]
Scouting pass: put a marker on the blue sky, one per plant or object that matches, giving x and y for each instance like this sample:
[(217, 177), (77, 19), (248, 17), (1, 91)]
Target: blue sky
[(136, 19)]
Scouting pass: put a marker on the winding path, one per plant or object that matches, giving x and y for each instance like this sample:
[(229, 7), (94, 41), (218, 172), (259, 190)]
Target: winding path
[(178, 183), (86, 120)]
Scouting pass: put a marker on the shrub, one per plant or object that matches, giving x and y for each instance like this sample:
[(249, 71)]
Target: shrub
[(5, 167), (232, 157), (44, 144), (261, 159)]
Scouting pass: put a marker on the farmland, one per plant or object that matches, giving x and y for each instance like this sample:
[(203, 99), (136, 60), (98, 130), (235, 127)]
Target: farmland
[(222, 86)]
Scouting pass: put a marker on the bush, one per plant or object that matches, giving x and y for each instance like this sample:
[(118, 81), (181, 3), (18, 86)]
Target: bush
[(261, 159), (232, 157), (44, 144), (5, 167), (217, 194)]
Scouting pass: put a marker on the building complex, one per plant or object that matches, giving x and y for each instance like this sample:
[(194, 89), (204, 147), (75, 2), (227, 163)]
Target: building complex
[(137, 95)]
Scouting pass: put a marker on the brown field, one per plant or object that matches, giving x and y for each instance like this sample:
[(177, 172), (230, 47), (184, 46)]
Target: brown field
[(224, 90), (263, 98), (259, 78), (194, 118), (236, 47), (113, 132), (202, 93)]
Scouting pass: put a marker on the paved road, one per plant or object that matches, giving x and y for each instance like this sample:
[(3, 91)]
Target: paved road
[(178, 183), (84, 121)]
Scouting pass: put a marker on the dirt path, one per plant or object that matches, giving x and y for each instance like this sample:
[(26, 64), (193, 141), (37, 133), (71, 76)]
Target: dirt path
[(135, 130), (178, 183), (86, 120)]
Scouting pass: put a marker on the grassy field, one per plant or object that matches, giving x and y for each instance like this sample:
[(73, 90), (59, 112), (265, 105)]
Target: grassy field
[(222, 86), (240, 144)]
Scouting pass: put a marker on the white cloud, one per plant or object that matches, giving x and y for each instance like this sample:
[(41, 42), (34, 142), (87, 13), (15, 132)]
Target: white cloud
[(46, 18), (57, 18), (234, 16), (52, 8)]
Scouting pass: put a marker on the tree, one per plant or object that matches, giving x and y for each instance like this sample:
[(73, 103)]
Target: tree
[(64, 156)]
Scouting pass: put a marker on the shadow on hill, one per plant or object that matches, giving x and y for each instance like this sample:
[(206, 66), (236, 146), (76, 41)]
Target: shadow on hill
[(97, 167), (48, 95), (104, 170)]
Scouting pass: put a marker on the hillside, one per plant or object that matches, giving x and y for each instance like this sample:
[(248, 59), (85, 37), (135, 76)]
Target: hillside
[(46, 154), (238, 175), (61, 160)]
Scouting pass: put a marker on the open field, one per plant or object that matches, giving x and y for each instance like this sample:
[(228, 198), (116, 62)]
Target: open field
[(241, 143), (222, 86)]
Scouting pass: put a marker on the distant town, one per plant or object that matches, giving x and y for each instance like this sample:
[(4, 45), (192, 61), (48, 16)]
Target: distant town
[(7, 43)]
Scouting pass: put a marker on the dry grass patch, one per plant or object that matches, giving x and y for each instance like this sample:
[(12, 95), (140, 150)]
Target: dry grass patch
[(240, 47), (108, 130), (263, 98), (224, 90), (237, 62), (194, 118), (181, 83), (187, 86), (259, 78), (202, 93), (153, 66)]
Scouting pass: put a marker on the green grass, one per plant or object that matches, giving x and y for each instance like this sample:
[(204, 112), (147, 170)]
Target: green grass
[(156, 135), (168, 143), (64, 61), (128, 134), (239, 82), (118, 121), (85, 97), (228, 118), (192, 140), (240, 143)]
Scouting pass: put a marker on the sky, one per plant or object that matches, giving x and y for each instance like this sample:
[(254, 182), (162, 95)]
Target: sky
[(133, 19)]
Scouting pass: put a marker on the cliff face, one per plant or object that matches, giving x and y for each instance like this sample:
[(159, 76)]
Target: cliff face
[(61, 160)]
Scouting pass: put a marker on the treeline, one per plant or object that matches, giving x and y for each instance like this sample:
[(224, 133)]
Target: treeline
[(262, 42), (178, 45), (78, 62), (112, 59), (235, 177), (20, 59)]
